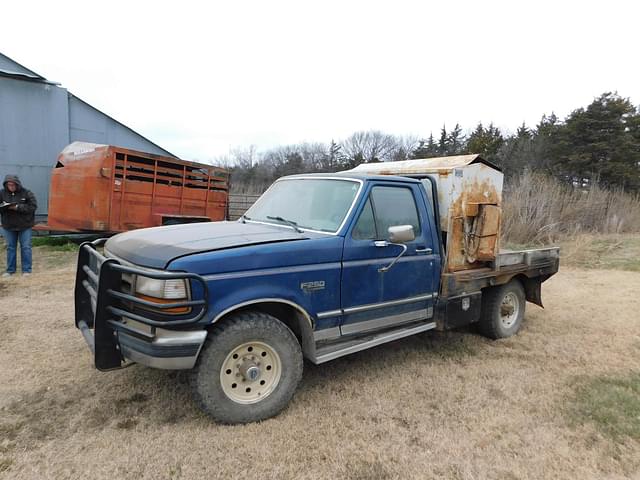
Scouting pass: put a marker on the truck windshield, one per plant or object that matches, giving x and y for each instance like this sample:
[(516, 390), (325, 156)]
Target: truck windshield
[(310, 203)]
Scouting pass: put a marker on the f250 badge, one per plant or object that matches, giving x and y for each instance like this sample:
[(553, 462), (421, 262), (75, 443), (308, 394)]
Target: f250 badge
[(311, 286)]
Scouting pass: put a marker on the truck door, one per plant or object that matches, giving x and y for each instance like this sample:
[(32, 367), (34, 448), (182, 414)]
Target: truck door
[(371, 299)]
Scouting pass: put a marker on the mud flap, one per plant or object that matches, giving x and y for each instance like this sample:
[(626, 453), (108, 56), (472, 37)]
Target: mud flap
[(533, 290)]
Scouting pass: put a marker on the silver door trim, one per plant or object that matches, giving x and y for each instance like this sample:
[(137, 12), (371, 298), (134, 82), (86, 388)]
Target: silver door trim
[(329, 314), (387, 321), (391, 303), (373, 306)]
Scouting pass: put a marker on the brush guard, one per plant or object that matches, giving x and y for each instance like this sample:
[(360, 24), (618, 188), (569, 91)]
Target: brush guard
[(101, 313)]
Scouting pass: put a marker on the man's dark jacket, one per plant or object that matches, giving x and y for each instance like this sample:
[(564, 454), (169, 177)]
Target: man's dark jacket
[(24, 217)]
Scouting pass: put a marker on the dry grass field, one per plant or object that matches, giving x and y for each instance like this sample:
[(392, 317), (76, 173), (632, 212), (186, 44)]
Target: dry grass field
[(559, 400)]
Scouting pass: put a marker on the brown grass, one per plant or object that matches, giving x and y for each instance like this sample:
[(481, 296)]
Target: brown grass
[(615, 251), (538, 210), (442, 405)]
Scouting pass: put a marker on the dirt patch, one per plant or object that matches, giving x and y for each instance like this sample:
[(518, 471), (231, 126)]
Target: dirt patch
[(438, 405)]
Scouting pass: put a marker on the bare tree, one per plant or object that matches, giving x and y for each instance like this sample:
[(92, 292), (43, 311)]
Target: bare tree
[(404, 147), (371, 146), (315, 157), (244, 157)]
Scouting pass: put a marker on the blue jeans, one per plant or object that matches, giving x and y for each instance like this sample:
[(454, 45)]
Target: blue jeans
[(12, 238)]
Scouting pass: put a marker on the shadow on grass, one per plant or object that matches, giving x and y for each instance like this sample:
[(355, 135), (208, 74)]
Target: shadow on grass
[(133, 398), (141, 398), (431, 347)]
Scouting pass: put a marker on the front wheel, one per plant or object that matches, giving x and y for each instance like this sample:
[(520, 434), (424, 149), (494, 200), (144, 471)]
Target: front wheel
[(502, 310), (248, 370)]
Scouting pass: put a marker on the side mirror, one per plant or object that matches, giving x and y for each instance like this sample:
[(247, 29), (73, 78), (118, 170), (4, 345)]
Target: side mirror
[(398, 235), (401, 234)]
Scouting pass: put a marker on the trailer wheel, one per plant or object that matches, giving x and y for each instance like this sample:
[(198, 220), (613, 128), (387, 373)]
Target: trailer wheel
[(502, 310), (248, 370)]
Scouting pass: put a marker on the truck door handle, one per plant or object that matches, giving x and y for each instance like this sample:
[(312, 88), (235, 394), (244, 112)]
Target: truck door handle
[(425, 250)]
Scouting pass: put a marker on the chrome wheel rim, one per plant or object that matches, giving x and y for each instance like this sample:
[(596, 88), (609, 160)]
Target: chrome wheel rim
[(250, 372), (509, 309)]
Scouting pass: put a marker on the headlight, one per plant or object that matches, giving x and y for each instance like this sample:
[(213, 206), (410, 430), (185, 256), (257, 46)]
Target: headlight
[(162, 291), (174, 289)]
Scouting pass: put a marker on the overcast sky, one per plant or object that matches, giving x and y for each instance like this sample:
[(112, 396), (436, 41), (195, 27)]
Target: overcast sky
[(200, 78)]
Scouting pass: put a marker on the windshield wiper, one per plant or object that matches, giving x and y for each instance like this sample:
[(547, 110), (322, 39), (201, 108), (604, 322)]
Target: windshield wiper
[(288, 222), (244, 218)]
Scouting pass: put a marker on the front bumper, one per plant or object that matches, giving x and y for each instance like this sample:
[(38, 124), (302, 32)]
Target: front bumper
[(116, 333), (166, 349)]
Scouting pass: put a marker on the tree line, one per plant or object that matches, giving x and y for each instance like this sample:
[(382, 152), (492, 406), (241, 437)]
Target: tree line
[(599, 143)]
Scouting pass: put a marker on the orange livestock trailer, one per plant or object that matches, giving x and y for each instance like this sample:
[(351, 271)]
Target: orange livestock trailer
[(102, 188)]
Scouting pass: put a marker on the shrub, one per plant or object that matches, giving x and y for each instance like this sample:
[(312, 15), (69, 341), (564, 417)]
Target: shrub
[(538, 209)]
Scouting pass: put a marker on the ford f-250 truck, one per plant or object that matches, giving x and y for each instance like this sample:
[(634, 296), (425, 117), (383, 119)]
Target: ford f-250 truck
[(321, 266)]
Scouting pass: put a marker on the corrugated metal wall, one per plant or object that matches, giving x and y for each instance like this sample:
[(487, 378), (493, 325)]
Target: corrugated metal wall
[(86, 124), (38, 119), (34, 127)]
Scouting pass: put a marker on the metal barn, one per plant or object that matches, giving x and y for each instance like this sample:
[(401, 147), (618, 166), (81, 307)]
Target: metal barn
[(38, 118)]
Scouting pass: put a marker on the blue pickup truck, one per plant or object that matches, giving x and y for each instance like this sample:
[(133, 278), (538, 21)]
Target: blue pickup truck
[(321, 266)]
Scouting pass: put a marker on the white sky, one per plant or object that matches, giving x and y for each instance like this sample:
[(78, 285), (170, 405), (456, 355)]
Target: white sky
[(199, 78)]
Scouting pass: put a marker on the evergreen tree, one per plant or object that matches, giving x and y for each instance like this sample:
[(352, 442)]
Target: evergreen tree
[(432, 148), (455, 141), (485, 141), (425, 149), (601, 142), (443, 143), (476, 142), (523, 131)]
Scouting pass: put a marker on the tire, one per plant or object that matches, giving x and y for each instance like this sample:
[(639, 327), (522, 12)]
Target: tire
[(248, 369), (502, 310)]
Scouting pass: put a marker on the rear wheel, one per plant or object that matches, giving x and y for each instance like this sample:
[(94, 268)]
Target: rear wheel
[(502, 310), (248, 370)]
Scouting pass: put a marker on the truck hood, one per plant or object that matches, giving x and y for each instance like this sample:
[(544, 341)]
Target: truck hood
[(156, 247)]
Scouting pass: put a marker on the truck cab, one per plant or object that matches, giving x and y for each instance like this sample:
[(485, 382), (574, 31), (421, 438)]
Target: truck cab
[(322, 266)]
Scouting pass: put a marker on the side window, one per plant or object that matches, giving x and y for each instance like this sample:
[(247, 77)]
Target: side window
[(394, 206), (365, 229)]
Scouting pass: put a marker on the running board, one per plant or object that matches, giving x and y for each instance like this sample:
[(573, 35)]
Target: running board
[(341, 349)]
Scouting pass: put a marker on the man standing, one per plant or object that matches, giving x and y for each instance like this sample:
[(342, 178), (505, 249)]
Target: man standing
[(17, 208)]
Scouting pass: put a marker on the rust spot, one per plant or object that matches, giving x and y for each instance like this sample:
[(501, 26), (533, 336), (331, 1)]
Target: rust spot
[(474, 227)]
